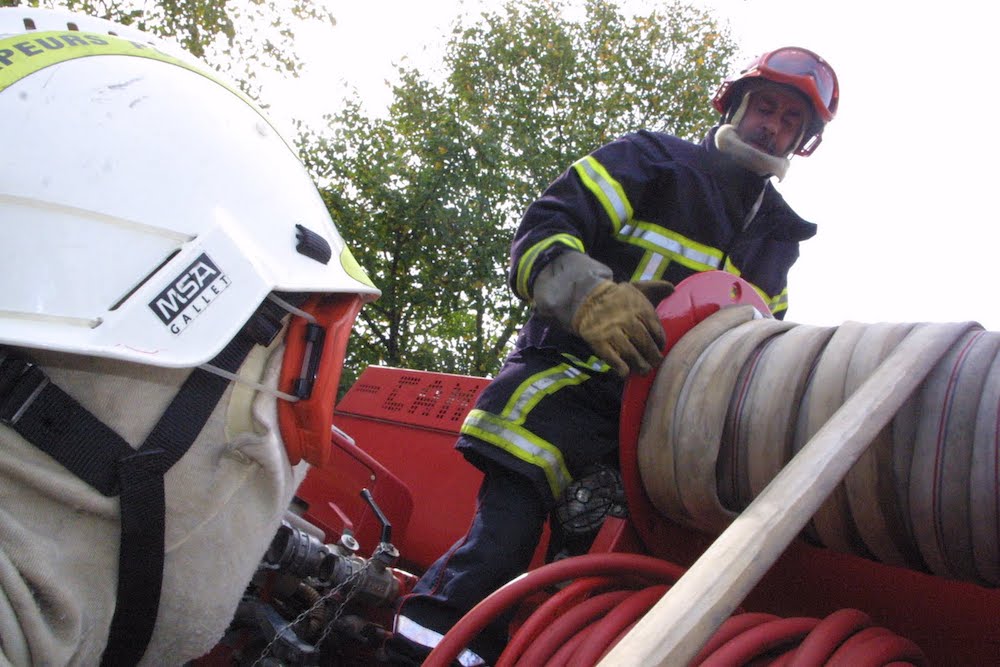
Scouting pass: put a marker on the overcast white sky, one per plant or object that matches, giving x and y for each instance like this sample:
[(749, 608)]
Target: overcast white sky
[(903, 186)]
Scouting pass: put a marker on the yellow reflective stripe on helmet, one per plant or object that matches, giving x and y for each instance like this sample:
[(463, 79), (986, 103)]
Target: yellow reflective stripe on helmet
[(353, 269), (23, 55), (528, 259), (518, 441), (657, 239), (607, 190)]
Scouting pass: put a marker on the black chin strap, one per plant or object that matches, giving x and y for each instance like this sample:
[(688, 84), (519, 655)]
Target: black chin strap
[(140, 561), (56, 423)]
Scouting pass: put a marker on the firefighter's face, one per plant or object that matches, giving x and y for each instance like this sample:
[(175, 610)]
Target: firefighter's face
[(774, 119)]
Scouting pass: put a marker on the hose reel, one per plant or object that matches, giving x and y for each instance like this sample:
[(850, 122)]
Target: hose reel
[(739, 394)]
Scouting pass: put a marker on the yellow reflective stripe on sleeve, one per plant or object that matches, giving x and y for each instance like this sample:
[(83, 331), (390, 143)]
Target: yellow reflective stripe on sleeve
[(679, 248), (528, 259), (607, 190), (518, 441), (731, 268), (780, 302), (591, 363)]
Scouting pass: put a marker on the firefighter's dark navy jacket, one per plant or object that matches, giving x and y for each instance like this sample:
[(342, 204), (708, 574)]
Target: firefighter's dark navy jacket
[(648, 206)]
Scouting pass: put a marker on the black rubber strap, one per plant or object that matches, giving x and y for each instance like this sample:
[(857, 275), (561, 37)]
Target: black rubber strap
[(52, 420), (57, 424), (143, 505)]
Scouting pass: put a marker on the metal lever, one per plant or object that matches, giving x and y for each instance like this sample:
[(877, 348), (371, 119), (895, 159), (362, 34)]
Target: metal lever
[(386, 526)]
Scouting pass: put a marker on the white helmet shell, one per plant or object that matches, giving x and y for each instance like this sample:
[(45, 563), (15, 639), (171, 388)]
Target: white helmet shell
[(146, 207)]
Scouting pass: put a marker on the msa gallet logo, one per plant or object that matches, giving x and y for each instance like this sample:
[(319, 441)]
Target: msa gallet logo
[(191, 293)]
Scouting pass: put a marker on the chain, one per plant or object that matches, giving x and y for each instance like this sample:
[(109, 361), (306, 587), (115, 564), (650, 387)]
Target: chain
[(354, 578)]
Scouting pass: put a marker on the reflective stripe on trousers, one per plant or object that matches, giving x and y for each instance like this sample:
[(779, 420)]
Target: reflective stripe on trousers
[(417, 633)]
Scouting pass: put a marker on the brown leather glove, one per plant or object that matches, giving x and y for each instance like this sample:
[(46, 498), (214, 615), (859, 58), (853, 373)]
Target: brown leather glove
[(619, 322), (655, 290)]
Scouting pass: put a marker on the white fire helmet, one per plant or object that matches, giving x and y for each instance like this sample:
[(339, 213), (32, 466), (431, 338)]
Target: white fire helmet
[(151, 214), (147, 207)]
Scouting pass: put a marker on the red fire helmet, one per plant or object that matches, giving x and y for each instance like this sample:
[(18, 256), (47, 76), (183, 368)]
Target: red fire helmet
[(796, 67)]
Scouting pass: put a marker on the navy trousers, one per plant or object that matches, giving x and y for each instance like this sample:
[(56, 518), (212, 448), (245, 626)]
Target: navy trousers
[(501, 541)]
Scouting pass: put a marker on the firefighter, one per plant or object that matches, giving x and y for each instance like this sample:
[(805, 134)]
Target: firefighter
[(593, 255), (163, 250)]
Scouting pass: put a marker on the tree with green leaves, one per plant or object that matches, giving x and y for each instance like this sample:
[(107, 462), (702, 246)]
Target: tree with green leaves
[(428, 196)]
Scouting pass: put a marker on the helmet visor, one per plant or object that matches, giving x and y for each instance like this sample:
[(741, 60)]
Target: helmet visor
[(807, 72)]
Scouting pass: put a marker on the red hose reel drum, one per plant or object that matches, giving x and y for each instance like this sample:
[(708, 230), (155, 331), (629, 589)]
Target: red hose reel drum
[(694, 299)]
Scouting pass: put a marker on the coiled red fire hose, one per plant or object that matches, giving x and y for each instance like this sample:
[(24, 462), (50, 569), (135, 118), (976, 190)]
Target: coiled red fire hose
[(579, 624)]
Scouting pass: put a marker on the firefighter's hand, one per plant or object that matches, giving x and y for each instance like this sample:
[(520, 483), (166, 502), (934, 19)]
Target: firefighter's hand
[(655, 290), (618, 321)]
